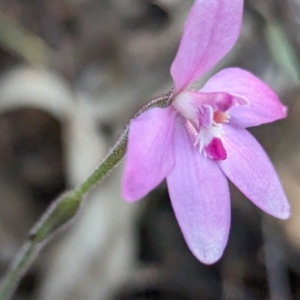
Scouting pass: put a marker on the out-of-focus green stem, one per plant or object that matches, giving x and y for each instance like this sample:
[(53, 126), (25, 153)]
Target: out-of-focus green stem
[(61, 211), (282, 51), (23, 43)]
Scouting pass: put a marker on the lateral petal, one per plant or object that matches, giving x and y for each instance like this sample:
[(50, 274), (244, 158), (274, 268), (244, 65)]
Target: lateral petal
[(264, 105), (211, 30), (250, 169), (200, 198), (149, 157)]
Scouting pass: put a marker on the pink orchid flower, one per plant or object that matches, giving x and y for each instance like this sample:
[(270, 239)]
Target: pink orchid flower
[(200, 139)]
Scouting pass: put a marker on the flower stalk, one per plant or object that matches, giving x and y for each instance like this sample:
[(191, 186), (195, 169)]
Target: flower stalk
[(65, 208)]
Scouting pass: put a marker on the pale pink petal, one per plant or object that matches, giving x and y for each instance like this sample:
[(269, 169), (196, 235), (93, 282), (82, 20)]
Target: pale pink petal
[(264, 105), (249, 168), (200, 199), (149, 157), (210, 31)]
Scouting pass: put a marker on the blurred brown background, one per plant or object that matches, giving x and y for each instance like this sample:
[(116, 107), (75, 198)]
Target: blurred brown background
[(72, 73)]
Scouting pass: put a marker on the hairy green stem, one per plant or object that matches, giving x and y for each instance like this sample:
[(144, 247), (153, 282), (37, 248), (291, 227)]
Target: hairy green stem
[(18, 268), (56, 216), (62, 210)]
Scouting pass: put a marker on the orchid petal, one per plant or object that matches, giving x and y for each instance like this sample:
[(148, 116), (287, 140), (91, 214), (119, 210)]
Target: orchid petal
[(249, 168), (264, 105), (149, 156), (200, 198), (211, 30)]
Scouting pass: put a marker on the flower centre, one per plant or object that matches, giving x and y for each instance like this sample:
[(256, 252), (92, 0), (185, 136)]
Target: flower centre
[(210, 134), (206, 113)]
